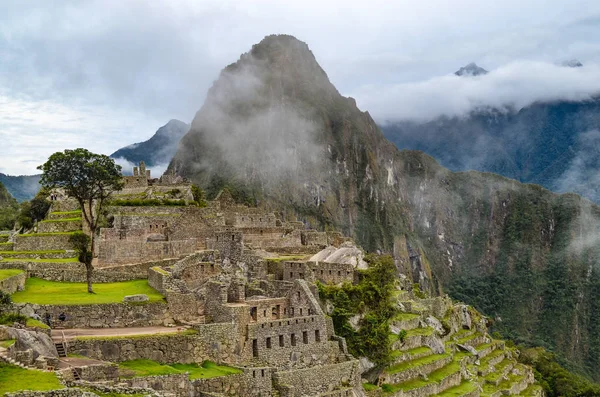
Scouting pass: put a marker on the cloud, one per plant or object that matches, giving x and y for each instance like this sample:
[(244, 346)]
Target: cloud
[(513, 86), (31, 130), (583, 173), (127, 167)]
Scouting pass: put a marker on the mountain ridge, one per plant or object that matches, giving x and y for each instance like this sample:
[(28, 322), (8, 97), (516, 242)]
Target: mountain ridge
[(474, 234)]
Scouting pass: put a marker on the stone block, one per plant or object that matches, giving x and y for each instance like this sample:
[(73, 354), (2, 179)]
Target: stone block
[(136, 298)]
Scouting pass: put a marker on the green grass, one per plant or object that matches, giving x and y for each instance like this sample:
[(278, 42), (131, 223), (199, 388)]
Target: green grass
[(433, 377), (76, 212), (405, 316), (32, 252), (35, 260), (416, 363), (208, 369), (47, 234), (61, 220), (6, 273), (419, 332), (370, 386), (7, 343), (460, 390), (417, 351), (33, 323), (45, 292), (13, 378)]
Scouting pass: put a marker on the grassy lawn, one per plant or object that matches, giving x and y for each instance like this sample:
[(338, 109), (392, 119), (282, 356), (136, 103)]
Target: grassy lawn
[(460, 390), (32, 322), (35, 260), (416, 363), (13, 378), (6, 273), (208, 369), (7, 343), (76, 212), (45, 292), (61, 220)]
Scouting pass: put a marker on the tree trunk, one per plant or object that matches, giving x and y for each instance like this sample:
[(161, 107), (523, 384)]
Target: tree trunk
[(88, 264), (88, 275)]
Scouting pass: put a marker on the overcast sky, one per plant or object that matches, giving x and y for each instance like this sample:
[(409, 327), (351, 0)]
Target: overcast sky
[(104, 74)]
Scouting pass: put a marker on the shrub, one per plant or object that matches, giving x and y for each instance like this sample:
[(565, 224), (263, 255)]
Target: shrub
[(11, 318), (372, 297), (5, 298), (402, 335)]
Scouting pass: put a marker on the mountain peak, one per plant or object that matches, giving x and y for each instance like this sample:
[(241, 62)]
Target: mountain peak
[(571, 63), (471, 70)]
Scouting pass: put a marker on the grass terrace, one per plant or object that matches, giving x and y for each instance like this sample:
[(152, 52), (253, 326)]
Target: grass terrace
[(61, 220), (416, 363), (35, 260), (76, 212), (47, 234), (6, 273), (207, 369), (13, 378), (45, 292), (434, 377)]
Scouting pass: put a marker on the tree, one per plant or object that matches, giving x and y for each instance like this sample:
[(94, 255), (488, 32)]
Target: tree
[(87, 177)]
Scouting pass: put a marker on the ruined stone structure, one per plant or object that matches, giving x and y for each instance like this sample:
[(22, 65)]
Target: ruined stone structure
[(239, 290)]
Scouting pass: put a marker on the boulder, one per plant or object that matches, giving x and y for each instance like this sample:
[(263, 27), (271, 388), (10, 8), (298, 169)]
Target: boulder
[(435, 324), (136, 298), (467, 348), (436, 345), (38, 342), (465, 317)]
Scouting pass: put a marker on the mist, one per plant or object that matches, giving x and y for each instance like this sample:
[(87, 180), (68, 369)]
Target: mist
[(510, 87), (127, 167), (247, 127)]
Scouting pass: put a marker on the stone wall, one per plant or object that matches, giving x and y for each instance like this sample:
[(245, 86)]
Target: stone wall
[(334, 273), (254, 381), (75, 272), (98, 372), (123, 251), (54, 226), (178, 384), (316, 380), (213, 342), (42, 242), (13, 284), (107, 315), (291, 343)]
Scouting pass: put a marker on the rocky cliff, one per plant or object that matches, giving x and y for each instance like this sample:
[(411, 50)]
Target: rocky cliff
[(277, 132)]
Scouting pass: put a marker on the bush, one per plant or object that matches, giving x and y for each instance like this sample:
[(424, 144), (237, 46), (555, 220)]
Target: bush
[(371, 297), (5, 298), (402, 335), (11, 318)]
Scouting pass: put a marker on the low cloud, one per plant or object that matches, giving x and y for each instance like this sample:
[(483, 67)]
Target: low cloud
[(513, 86), (127, 167), (583, 174)]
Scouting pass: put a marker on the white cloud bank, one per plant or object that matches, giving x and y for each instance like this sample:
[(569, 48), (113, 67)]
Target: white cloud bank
[(515, 85)]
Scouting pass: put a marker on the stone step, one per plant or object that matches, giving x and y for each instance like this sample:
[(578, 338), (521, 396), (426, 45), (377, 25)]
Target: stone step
[(51, 254), (414, 369), (414, 338), (465, 389), (514, 382), (437, 382), (61, 349), (406, 321), (488, 363), (499, 372), (400, 356), (4, 238), (59, 225), (6, 247)]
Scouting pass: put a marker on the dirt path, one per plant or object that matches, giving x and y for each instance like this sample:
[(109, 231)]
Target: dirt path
[(57, 334)]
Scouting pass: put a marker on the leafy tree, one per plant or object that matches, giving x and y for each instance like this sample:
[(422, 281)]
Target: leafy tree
[(87, 177)]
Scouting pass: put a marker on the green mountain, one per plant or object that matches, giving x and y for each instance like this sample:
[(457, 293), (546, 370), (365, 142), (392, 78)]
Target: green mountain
[(157, 150), (22, 187), (8, 209), (277, 133)]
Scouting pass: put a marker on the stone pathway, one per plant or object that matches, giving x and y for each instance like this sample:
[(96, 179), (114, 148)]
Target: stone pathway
[(57, 334)]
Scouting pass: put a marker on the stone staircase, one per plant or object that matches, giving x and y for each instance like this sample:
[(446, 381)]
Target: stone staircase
[(5, 357), (61, 349)]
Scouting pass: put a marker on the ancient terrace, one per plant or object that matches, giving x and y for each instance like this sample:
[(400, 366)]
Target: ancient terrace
[(220, 300)]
